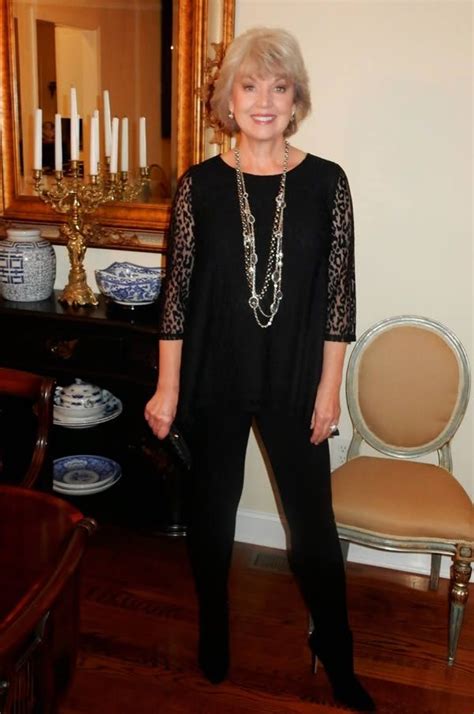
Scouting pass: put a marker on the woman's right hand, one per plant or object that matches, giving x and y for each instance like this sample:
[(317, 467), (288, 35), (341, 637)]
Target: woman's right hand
[(160, 411)]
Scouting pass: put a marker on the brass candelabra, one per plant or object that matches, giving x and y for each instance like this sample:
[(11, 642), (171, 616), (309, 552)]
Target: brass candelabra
[(77, 200)]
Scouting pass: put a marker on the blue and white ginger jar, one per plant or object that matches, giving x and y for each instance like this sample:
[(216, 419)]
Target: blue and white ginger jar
[(27, 266)]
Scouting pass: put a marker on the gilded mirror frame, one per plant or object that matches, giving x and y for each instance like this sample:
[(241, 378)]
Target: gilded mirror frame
[(199, 24)]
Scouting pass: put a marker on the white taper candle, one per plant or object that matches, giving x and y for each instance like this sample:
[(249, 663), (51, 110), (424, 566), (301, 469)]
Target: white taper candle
[(78, 134), (74, 126), (38, 143), (114, 152), (124, 146), (93, 146), (142, 143), (107, 124), (97, 137), (58, 143)]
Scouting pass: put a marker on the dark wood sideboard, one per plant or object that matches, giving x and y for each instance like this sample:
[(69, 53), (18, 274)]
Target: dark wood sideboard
[(116, 348)]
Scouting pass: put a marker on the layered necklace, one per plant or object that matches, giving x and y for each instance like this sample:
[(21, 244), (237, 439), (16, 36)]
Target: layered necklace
[(273, 273)]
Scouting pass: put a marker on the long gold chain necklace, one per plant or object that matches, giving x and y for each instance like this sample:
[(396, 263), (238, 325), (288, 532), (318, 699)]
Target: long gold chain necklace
[(273, 273)]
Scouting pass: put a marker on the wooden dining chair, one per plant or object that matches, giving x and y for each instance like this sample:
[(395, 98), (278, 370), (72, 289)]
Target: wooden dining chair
[(407, 388), (26, 418), (42, 543)]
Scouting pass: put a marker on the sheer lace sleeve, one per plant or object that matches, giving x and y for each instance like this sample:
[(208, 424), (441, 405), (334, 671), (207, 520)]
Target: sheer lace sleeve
[(340, 323), (179, 263)]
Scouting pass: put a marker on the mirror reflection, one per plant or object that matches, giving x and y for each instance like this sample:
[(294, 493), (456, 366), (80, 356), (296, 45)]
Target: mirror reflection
[(125, 49), (151, 55)]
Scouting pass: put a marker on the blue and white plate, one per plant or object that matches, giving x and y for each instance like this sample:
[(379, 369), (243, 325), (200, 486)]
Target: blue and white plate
[(84, 474)]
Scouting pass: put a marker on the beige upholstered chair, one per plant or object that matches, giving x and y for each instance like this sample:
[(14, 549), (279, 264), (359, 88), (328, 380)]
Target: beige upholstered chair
[(407, 389)]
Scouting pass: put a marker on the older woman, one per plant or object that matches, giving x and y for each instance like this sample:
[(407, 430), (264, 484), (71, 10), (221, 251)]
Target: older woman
[(258, 307)]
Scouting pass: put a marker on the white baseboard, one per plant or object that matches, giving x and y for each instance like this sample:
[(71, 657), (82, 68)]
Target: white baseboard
[(266, 529)]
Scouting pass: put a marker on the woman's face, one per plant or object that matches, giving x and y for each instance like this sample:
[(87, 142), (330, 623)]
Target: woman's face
[(262, 106)]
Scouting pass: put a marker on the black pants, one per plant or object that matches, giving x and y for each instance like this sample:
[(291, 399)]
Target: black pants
[(218, 443)]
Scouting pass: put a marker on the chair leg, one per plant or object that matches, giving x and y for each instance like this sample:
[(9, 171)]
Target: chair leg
[(435, 568), (459, 593)]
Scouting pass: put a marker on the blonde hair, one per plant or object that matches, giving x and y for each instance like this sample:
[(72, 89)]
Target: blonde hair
[(264, 51)]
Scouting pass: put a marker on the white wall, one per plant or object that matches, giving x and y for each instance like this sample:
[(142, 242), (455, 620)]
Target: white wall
[(392, 102)]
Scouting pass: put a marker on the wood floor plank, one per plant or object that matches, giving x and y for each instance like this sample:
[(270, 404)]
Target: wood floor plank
[(139, 637)]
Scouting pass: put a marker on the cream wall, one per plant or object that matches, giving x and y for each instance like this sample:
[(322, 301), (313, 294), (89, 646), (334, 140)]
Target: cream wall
[(392, 89)]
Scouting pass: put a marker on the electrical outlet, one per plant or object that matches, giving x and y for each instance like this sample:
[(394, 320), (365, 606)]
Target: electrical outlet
[(338, 447)]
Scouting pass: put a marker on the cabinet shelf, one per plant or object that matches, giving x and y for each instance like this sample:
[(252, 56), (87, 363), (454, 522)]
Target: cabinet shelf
[(116, 349)]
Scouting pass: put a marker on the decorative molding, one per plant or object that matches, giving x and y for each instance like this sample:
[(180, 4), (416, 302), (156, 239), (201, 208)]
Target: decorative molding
[(260, 528), (206, 90)]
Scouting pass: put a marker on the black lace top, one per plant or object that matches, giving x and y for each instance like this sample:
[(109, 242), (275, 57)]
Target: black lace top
[(228, 360)]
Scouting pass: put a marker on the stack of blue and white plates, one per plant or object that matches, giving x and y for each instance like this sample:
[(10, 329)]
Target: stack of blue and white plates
[(84, 475)]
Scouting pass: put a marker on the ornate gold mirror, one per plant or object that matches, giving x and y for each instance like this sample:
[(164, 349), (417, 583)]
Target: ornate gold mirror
[(151, 55)]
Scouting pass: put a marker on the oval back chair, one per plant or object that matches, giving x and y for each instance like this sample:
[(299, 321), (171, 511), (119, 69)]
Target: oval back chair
[(407, 388)]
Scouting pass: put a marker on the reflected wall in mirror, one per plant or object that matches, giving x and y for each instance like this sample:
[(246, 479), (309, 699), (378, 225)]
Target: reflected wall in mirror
[(125, 49), (149, 54)]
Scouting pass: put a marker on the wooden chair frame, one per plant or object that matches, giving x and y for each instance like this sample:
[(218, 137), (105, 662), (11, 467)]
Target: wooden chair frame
[(40, 390), (26, 655)]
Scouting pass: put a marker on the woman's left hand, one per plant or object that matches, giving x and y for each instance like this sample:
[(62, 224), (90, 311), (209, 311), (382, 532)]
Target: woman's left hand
[(326, 413), (327, 408)]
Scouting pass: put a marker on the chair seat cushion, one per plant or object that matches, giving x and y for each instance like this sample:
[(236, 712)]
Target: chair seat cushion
[(402, 498)]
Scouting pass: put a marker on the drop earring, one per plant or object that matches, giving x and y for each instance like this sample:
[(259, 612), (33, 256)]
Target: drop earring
[(230, 114)]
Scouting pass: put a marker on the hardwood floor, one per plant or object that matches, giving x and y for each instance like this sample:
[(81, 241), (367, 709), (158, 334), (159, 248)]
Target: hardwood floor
[(138, 642)]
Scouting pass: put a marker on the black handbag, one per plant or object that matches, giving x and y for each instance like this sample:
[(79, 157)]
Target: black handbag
[(178, 445)]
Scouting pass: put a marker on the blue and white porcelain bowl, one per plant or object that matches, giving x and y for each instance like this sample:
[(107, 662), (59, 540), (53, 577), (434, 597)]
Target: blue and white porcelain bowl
[(126, 269), (129, 284)]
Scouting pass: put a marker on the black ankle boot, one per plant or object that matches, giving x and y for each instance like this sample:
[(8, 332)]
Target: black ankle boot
[(337, 658), (213, 653)]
